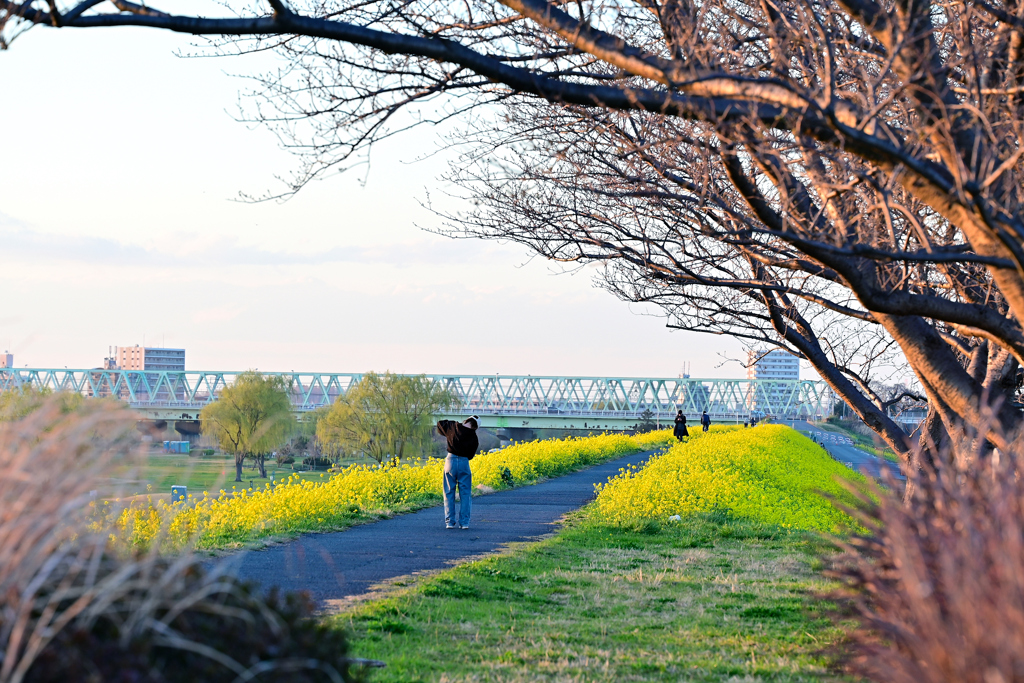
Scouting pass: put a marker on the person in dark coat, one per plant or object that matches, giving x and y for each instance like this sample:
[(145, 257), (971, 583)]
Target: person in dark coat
[(705, 420), (462, 446), (680, 429)]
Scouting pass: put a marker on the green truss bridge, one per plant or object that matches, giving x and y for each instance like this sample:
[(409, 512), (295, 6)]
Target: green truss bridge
[(501, 401)]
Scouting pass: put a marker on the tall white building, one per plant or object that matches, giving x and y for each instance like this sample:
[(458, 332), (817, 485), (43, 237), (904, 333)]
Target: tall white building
[(6, 359), (774, 365)]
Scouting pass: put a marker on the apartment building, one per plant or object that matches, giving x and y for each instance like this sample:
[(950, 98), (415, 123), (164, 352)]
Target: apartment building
[(775, 365), (150, 359)]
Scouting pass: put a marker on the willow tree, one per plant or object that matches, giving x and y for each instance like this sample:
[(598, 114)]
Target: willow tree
[(836, 160), (385, 417), (19, 402), (250, 419)]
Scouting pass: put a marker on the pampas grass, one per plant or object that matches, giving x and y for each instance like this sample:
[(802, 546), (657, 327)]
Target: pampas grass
[(939, 584), (73, 609)]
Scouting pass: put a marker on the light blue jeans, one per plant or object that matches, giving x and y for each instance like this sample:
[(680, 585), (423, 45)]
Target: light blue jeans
[(457, 475)]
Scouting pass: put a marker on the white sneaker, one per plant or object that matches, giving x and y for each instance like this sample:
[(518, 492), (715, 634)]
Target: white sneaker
[(450, 526)]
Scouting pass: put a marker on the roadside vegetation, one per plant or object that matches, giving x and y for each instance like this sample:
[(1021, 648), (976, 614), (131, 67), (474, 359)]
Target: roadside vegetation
[(771, 474), (357, 493)]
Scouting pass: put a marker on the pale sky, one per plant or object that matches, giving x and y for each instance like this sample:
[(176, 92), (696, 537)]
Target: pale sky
[(118, 227)]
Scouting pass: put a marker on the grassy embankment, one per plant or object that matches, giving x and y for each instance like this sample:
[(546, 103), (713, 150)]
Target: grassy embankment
[(713, 598), (625, 594)]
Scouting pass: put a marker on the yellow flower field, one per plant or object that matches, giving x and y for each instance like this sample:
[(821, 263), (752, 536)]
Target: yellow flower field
[(769, 473), (294, 505)]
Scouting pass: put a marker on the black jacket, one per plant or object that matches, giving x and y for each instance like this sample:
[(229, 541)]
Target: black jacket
[(461, 439), (680, 428)]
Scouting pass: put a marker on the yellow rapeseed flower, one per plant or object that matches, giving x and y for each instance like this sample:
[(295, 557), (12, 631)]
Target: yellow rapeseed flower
[(297, 505), (770, 473)]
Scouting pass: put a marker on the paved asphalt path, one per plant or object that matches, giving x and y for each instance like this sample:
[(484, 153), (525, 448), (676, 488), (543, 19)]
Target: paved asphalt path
[(334, 566), (841, 448)]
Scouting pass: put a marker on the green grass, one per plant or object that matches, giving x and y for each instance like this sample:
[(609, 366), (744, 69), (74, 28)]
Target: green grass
[(708, 599), (203, 473)]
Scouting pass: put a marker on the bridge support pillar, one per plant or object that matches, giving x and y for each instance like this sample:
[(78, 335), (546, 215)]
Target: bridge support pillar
[(188, 430), (521, 433)]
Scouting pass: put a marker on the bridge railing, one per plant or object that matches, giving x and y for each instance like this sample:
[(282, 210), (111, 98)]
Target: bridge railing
[(481, 394)]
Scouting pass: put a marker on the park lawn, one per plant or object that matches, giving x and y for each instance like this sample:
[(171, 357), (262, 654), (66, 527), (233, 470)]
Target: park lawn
[(201, 473), (710, 598)]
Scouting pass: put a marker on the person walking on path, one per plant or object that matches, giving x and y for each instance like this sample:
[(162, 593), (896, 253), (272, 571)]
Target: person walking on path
[(680, 429), (462, 445), (705, 420)]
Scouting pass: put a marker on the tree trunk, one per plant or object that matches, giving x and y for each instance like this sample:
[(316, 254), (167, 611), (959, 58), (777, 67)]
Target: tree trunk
[(792, 327), (260, 462), (944, 378), (870, 414), (238, 468)]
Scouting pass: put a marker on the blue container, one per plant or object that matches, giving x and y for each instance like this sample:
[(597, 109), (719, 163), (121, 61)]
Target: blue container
[(178, 493)]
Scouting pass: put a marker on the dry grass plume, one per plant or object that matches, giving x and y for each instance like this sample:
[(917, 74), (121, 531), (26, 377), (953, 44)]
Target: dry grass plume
[(72, 609)]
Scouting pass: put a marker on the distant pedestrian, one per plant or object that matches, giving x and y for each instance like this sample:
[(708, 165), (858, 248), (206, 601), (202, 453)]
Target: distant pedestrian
[(462, 446), (705, 420), (680, 429)]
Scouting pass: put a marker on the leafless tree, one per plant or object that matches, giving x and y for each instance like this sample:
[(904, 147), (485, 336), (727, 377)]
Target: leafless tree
[(634, 193), (854, 158)]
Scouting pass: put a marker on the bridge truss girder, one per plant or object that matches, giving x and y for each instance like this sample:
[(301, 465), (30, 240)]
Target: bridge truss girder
[(556, 399)]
